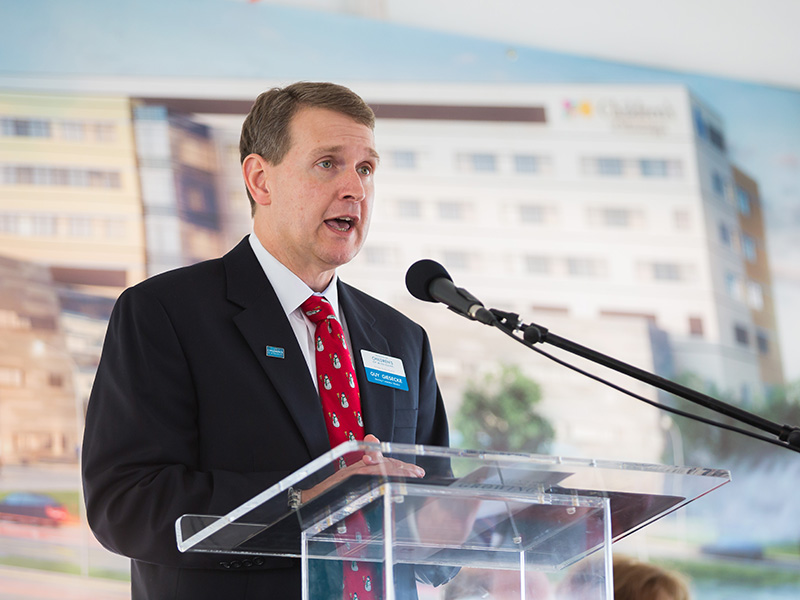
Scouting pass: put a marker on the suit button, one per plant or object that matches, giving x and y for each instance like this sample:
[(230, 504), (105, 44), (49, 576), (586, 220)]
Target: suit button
[(225, 565), (258, 561), (247, 562)]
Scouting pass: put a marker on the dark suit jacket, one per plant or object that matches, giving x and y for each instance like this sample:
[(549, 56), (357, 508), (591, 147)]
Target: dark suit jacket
[(189, 415)]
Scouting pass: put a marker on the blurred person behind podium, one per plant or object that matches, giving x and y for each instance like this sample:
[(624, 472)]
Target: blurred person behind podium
[(189, 414), (636, 580)]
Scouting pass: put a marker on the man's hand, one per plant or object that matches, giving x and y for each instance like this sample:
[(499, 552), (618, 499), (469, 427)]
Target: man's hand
[(372, 463)]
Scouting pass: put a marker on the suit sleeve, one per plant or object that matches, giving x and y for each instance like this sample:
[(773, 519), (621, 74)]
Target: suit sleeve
[(141, 465), (432, 428)]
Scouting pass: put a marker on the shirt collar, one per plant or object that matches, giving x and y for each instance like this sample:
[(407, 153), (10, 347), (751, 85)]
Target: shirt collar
[(290, 289)]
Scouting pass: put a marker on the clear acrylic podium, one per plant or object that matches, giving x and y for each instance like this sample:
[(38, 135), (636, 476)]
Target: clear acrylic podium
[(478, 525)]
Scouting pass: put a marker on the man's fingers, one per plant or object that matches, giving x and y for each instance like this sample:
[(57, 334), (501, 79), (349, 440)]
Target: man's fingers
[(391, 466)]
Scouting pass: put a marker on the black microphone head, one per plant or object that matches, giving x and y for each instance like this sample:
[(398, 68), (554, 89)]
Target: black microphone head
[(421, 274)]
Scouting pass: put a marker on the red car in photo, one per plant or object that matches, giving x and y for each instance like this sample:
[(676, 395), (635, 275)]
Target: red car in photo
[(37, 509)]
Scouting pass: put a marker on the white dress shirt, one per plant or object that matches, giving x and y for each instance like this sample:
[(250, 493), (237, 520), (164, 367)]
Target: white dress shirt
[(292, 292)]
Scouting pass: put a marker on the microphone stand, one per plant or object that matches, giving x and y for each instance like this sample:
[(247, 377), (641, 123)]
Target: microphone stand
[(533, 334)]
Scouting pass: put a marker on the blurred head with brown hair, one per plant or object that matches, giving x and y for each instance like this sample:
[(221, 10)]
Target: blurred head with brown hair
[(635, 580)]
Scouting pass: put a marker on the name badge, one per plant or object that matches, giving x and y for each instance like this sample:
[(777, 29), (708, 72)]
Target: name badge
[(384, 370)]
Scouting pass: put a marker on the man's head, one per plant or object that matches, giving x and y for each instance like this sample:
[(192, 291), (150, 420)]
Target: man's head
[(266, 129), (312, 193)]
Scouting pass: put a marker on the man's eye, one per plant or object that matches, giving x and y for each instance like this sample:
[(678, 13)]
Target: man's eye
[(326, 164), (365, 170)]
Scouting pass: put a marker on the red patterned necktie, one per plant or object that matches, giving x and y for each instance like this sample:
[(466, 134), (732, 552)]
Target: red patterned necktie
[(341, 404)]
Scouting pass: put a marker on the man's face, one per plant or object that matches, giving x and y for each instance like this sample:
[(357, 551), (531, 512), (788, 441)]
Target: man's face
[(315, 212)]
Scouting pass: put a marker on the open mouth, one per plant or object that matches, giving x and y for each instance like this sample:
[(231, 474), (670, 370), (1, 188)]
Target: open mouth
[(341, 223)]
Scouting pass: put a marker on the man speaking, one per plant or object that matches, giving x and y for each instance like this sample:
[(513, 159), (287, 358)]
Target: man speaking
[(210, 387)]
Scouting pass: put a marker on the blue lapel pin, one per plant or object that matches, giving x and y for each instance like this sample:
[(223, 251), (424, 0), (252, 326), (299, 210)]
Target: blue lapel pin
[(275, 352)]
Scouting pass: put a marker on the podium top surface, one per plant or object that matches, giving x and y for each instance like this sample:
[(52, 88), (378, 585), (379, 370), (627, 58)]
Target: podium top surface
[(537, 498)]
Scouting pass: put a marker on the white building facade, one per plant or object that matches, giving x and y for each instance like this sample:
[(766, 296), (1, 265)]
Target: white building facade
[(616, 202)]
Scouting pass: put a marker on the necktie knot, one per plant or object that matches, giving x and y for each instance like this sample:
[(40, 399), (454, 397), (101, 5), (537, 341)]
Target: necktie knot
[(317, 309)]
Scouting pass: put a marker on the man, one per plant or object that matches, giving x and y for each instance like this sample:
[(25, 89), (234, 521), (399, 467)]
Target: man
[(191, 414)]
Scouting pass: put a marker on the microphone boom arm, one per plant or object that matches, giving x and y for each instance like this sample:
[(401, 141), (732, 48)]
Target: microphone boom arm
[(533, 334)]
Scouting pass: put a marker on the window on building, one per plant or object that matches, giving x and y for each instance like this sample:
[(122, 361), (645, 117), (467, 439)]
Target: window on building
[(24, 176), (762, 341), (44, 225), (153, 143), (73, 131), (59, 176), (41, 176), (105, 132), (725, 236), (716, 138), (451, 210), (478, 162), (718, 184), (616, 217), (97, 179), (696, 326), (403, 159), (733, 285), (78, 178), (114, 228), (79, 227), (744, 201), (409, 209), (150, 112), (755, 295), (21, 127), (10, 223), (653, 168), (682, 220), (103, 179), (456, 259), (611, 167), (660, 168), (663, 271), (45, 175), (538, 265), (749, 248), (699, 123), (585, 267), (524, 163), (741, 335), (532, 213)]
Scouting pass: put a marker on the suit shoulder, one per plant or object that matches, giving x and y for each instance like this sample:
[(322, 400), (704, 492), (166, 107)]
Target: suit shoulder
[(380, 310), (193, 279)]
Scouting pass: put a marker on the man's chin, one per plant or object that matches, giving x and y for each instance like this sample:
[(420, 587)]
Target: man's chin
[(339, 257)]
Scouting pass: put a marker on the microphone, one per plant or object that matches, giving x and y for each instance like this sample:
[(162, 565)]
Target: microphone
[(429, 281)]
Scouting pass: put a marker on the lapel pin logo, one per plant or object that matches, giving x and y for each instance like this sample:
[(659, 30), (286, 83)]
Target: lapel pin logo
[(275, 352)]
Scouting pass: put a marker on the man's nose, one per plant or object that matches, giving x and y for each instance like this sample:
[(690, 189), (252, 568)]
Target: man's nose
[(353, 185)]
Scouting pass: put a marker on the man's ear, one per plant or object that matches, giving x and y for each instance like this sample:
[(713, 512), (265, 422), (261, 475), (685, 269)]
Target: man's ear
[(255, 171)]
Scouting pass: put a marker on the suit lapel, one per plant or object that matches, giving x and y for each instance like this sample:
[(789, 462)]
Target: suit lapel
[(263, 323), (377, 401)]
